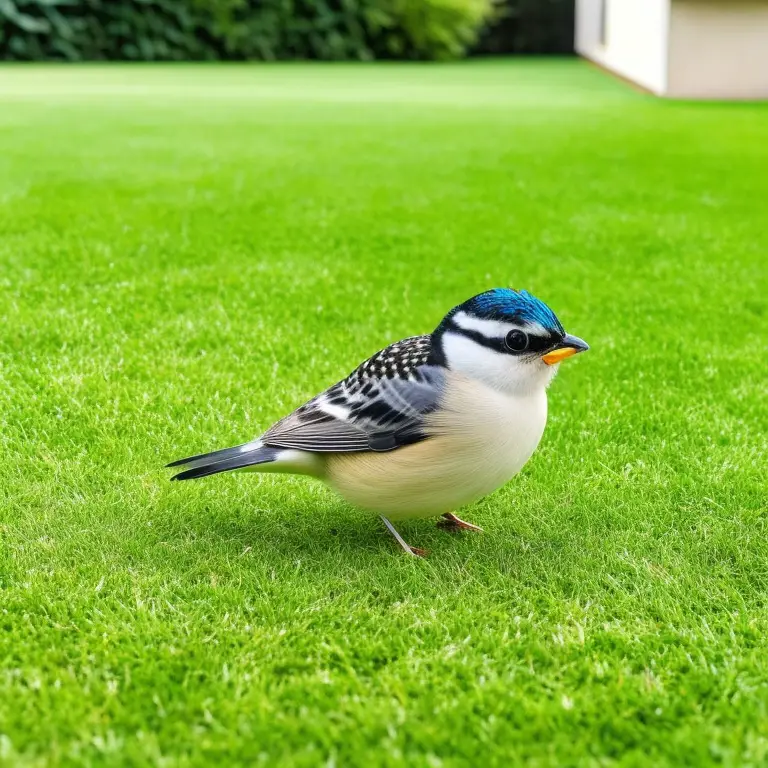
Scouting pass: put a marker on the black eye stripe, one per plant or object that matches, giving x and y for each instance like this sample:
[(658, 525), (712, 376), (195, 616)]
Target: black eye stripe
[(540, 344), (537, 344)]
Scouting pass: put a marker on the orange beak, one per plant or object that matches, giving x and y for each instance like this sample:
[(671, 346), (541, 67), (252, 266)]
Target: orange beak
[(570, 345)]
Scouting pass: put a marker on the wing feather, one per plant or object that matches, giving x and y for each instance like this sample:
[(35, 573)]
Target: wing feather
[(379, 407)]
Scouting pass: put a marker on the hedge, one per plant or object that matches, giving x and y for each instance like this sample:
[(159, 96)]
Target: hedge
[(180, 30), (530, 26)]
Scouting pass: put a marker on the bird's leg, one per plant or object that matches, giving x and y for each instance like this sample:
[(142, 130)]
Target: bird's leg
[(401, 541), (452, 523)]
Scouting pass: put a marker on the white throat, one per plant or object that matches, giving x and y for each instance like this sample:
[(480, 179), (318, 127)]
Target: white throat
[(504, 373)]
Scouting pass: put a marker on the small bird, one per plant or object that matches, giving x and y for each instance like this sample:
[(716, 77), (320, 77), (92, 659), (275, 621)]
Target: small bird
[(428, 424)]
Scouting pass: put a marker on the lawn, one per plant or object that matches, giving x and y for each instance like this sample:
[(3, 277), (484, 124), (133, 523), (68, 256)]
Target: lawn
[(188, 252)]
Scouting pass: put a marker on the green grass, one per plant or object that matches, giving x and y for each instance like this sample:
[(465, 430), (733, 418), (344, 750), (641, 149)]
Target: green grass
[(189, 252)]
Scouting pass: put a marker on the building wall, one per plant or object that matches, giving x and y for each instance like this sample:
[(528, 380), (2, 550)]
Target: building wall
[(587, 26), (634, 38), (718, 49)]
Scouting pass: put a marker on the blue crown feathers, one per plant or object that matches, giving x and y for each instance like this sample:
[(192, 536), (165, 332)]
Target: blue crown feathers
[(513, 306)]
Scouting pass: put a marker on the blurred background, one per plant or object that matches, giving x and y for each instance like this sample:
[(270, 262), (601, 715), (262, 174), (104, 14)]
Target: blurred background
[(337, 30)]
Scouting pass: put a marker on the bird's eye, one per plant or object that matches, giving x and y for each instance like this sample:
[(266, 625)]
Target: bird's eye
[(516, 341)]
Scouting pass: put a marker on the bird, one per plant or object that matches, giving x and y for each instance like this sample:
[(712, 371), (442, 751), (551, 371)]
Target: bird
[(428, 424)]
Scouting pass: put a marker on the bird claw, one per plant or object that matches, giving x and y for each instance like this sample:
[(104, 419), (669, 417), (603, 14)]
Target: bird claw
[(454, 524)]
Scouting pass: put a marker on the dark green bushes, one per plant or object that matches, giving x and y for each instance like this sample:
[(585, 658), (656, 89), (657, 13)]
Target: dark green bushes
[(162, 30)]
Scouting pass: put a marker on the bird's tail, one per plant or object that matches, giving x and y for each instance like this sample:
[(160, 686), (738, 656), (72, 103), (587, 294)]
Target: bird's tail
[(226, 460)]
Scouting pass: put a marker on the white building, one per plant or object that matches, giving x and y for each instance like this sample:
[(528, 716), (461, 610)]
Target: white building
[(698, 49)]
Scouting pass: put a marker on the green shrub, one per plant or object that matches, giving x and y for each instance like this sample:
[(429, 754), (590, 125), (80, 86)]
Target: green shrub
[(139, 30), (348, 29), (434, 29), (161, 30), (331, 30)]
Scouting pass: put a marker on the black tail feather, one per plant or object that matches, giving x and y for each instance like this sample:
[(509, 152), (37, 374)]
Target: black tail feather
[(225, 461), (222, 454)]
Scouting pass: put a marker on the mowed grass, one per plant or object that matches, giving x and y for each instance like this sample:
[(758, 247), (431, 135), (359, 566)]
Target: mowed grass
[(190, 252)]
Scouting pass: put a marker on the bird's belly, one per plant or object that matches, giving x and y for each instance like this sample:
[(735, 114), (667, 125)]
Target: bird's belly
[(473, 452)]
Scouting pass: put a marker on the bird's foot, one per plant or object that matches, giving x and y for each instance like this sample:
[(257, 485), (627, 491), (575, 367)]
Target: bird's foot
[(418, 551), (415, 551), (452, 523)]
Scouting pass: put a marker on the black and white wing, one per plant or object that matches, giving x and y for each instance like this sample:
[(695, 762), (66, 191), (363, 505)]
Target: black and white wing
[(379, 407)]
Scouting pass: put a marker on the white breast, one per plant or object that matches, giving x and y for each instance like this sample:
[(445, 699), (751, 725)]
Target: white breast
[(480, 439)]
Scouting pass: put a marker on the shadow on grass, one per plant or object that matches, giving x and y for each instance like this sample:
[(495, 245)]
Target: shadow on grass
[(322, 535), (334, 540)]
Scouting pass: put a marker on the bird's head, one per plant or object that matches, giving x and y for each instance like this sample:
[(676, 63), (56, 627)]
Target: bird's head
[(508, 339)]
